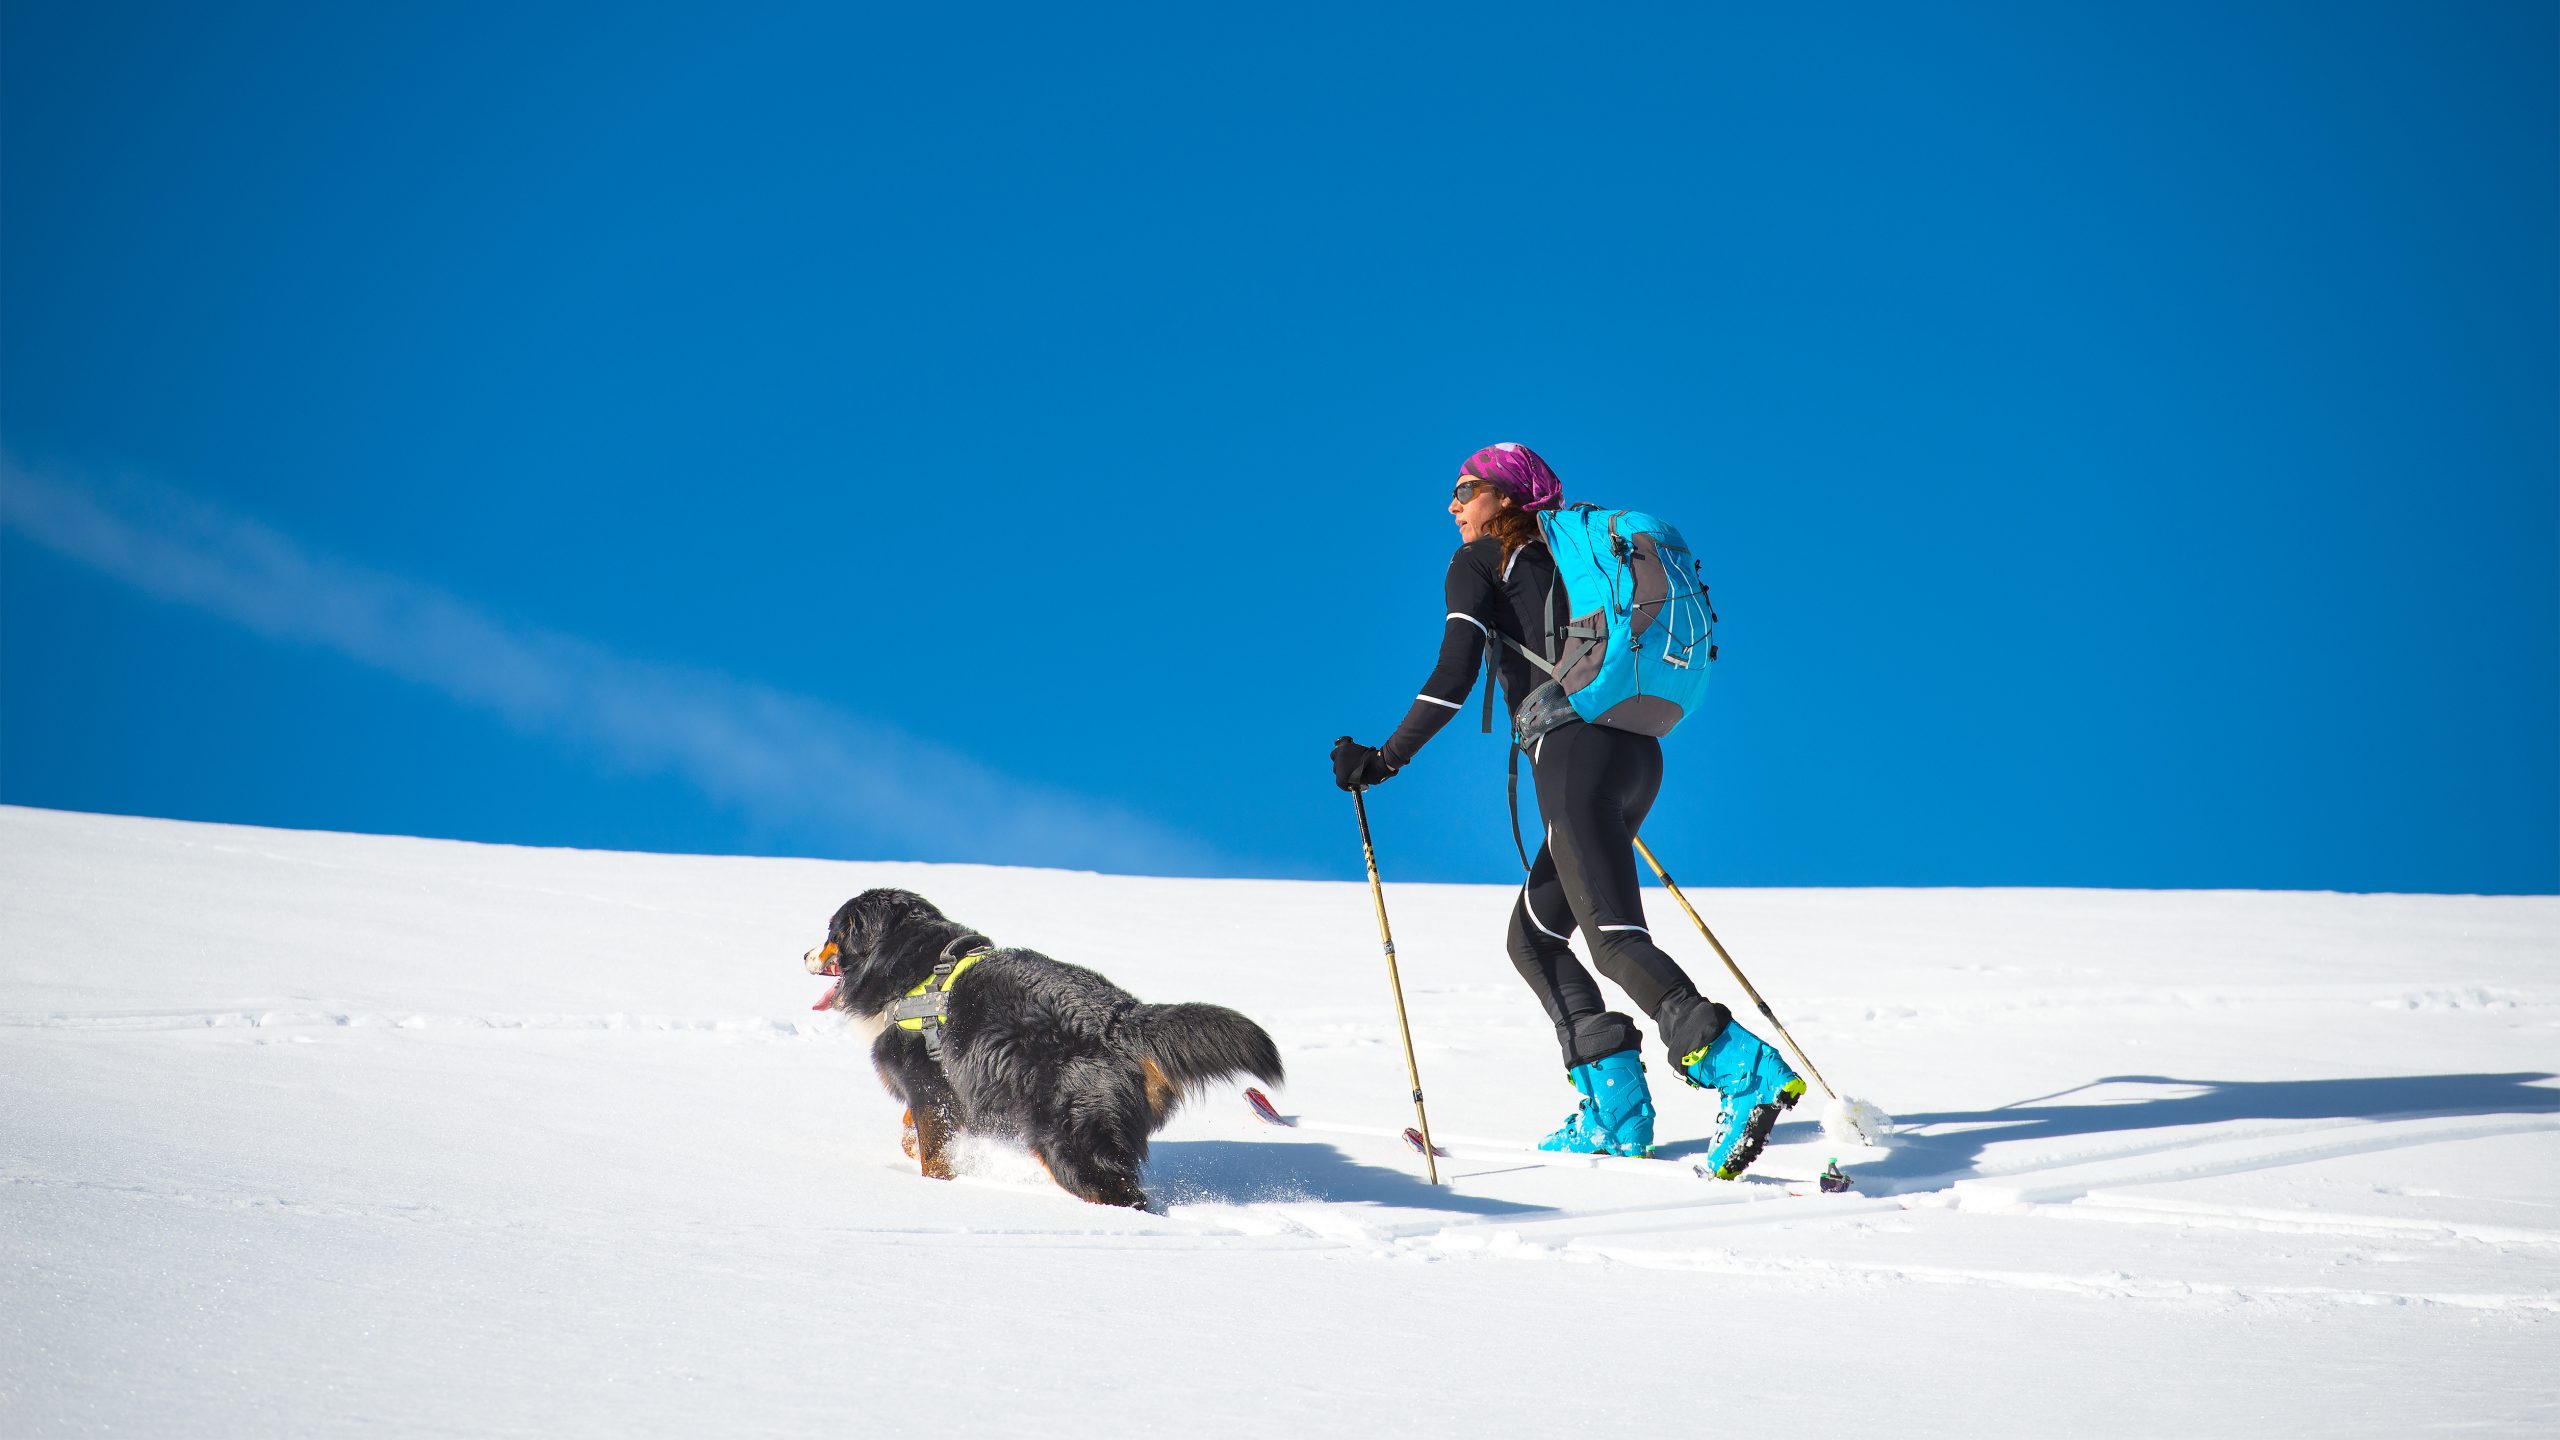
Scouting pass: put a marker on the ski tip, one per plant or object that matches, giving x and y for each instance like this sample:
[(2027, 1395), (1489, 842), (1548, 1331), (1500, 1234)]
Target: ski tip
[(1413, 1138), (1263, 1109)]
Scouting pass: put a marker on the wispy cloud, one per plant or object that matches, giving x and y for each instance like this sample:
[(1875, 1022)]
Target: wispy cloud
[(796, 765)]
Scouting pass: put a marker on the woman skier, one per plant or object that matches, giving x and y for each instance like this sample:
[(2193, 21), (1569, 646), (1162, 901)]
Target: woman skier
[(1594, 785)]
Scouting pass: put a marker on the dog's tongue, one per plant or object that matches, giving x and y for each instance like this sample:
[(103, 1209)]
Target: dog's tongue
[(828, 1000)]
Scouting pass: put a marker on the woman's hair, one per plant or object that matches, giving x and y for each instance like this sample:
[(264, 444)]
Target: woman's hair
[(1514, 527)]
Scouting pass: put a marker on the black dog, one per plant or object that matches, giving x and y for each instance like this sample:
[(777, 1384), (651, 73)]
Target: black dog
[(1029, 1049)]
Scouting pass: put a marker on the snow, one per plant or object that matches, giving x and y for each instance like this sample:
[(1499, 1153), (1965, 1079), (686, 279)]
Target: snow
[(311, 1133)]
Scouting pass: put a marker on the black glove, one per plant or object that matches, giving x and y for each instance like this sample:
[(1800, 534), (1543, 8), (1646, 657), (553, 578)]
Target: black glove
[(1357, 766)]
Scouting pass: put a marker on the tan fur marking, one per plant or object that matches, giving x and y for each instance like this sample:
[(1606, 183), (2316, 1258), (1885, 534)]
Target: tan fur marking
[(907, 1132), (1162, 1093), (931, 1137)]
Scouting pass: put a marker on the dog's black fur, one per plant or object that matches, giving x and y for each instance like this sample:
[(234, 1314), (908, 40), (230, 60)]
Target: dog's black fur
[(1050, 1054)]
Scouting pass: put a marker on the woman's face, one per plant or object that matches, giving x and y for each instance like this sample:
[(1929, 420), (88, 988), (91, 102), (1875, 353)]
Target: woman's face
[(1473, 504)]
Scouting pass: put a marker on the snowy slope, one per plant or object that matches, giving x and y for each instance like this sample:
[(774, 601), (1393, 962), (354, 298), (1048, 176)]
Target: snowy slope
[(311, 1133)]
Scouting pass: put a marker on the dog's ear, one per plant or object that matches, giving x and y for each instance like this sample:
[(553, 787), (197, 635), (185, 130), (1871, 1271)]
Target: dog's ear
[(840, 926), (870, 917)]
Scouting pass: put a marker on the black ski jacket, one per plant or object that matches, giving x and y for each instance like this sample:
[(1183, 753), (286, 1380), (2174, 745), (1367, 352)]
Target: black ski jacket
[(1486, 599)]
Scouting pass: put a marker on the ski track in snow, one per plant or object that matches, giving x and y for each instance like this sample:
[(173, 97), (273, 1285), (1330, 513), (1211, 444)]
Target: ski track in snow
[(2112, 1109), (742, 1027)]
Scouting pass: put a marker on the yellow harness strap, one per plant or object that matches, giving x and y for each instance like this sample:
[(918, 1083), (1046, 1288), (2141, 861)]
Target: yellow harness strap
[(929, 1001), (926, 1008)]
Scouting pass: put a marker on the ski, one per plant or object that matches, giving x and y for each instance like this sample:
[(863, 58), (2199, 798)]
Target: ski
[(1264, 1110), (1832, 1181)]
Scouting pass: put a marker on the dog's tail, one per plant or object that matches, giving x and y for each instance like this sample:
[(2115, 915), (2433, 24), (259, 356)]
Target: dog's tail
[(1194, 1044)]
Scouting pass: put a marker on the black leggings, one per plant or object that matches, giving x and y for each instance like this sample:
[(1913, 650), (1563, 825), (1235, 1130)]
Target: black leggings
[(1594, 786)]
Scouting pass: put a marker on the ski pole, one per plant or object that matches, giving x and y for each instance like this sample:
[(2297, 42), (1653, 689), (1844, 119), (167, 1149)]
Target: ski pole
[(1742, 979), (1386, 938)]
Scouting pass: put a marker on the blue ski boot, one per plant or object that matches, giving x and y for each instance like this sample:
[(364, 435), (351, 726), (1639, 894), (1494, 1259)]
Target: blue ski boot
[(1616, 1114), (1755, 1083)]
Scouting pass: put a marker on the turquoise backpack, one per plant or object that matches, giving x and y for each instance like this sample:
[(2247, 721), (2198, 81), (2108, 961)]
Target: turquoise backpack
[(1635, 652), (1634, 656)]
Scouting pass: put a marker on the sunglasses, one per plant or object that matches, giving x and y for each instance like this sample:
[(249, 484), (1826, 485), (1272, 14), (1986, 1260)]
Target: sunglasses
[(1468, 488)]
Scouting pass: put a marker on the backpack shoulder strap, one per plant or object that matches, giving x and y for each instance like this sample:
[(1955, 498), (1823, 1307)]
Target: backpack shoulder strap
[(1548, 663)]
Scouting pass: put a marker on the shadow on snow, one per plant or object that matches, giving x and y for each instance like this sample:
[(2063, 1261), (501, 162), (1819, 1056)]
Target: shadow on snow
[(1261, 1172), (1948, 1145)]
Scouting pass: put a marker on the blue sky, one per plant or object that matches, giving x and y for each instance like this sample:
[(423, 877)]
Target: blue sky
[(2124, 446)]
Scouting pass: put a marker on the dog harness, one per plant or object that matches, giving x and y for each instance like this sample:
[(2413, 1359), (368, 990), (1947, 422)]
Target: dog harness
[(927, 1008)]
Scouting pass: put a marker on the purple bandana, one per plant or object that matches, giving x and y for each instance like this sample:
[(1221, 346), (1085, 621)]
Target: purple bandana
[(1517, 471)]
